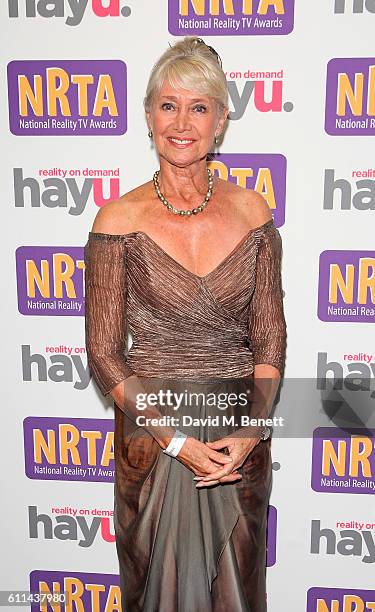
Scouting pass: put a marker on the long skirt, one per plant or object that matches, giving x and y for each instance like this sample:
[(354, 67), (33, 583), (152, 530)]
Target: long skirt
[(183, 549)]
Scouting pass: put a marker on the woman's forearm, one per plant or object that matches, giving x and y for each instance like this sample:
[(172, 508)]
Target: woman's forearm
[(125, 396), (266, 382)]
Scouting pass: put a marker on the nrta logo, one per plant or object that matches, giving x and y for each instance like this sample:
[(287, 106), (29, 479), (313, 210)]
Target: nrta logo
[(229, 17), (350, 97), (83, 591), (50, 280), (343, 463), (347, 286), (72, 11), (69, 449), (354, 6), (262, 172), (67, 97), (271, 536), (323, 599)]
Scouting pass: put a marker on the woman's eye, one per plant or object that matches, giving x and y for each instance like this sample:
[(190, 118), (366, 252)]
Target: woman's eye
[(167, 106), (200, 108)]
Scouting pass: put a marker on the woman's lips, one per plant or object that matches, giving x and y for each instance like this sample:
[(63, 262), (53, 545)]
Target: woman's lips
[(181, 143)]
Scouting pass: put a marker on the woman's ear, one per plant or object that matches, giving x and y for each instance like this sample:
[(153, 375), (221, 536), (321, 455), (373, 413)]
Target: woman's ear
[(148, 120), (222, 119)]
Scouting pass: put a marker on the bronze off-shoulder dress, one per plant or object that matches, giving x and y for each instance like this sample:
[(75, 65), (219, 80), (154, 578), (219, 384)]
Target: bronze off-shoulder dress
[(183, 549)]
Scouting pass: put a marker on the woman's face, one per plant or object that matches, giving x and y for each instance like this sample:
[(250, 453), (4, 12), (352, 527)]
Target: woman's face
[(184, 124)]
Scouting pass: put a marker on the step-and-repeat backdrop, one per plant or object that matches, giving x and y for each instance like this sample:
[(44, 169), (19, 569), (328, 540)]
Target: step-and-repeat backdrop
[(301, 80)]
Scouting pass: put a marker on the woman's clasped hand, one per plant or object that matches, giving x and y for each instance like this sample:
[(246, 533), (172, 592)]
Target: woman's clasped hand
[(211, 466)]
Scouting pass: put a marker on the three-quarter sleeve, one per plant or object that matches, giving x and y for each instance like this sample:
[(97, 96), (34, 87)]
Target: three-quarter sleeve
[(267, 326), (105, 309)]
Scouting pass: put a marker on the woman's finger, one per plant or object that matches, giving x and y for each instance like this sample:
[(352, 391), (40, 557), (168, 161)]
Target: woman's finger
[(217, 444), (229, 478), (235, 473), (200, 485), (220, 457), (218, 474)]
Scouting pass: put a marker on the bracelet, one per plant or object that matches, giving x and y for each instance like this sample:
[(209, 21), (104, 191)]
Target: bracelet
[(175, 444), (265, 433)]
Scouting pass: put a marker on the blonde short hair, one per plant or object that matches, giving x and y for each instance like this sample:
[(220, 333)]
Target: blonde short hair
[(189, 64)]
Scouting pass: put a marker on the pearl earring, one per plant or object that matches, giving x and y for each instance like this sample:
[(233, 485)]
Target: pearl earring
[(150, 133)]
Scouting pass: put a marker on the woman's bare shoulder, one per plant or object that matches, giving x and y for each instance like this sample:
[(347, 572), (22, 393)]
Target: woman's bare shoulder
[(120, 216), (251, 204)]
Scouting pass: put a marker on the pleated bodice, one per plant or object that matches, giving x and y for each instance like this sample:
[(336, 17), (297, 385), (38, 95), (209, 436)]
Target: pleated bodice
[(182, 324)]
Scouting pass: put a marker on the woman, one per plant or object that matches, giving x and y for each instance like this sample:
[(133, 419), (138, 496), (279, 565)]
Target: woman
[(191, 264)]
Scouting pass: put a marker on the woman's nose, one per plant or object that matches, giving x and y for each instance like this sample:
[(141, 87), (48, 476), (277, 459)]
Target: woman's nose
[(182, 120)]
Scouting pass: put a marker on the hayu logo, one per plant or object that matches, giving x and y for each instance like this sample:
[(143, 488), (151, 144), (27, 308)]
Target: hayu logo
[(343, 463), (72, 11), (69, 449), (361, 373), (84, 591), (230, 17), (50, 280), (67, 97), (256, 90), (80, 528), (350, 97), (325, 599), (354, 6), (359, 195), (60, 366), (264, 173), (63, 190), (347, 542), (347, 286)]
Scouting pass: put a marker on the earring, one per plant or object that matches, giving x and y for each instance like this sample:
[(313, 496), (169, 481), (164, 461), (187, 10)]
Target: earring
[(150, 133), (216, 140)]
